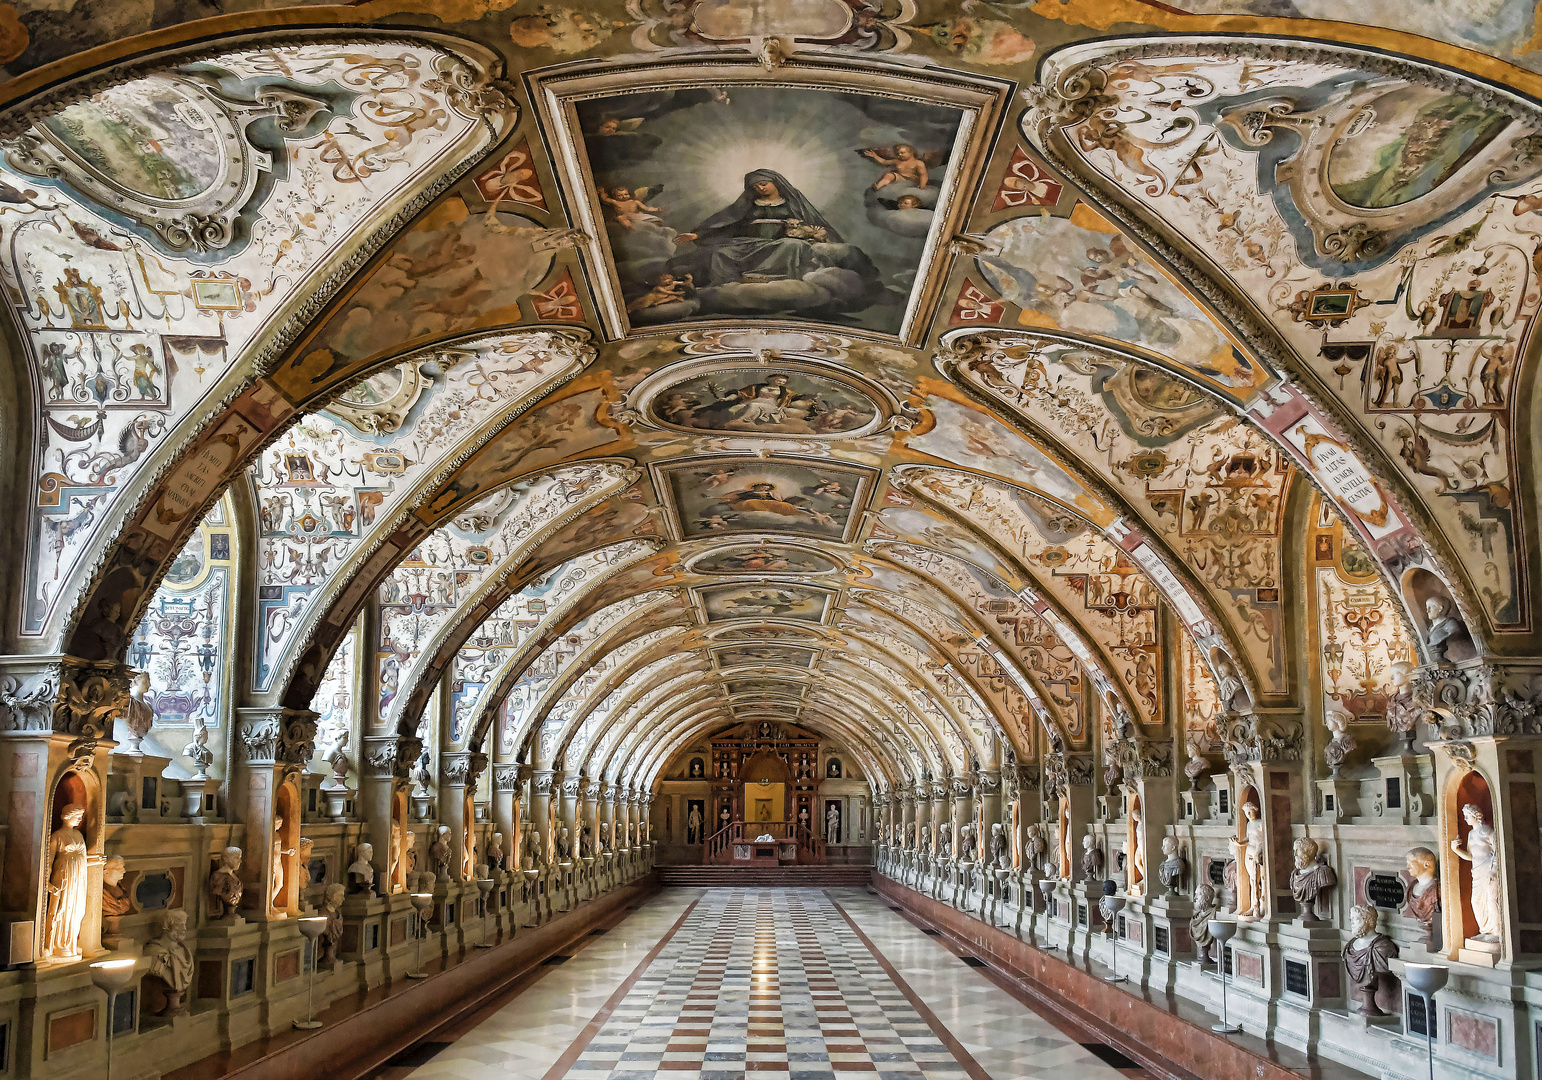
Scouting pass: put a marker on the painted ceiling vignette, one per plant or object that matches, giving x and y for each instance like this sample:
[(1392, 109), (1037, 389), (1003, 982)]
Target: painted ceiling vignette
[(1053, 102), (92, 563), (447, 354)]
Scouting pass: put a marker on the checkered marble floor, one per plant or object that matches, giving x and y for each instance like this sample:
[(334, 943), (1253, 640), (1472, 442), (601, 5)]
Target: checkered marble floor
[(773, 983), (759, 984)]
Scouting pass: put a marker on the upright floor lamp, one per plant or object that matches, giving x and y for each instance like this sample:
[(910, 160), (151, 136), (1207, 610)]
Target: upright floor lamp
[(312, 928), (1223, 930), (424, 903), (1428, 980), (485, 887), (112, 978)]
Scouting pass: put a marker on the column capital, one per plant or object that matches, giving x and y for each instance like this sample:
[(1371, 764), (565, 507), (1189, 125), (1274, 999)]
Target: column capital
[(510, 777), (276, 735), (63, 694), (390, 757), (988, 782), (547, 781), (461, 768)]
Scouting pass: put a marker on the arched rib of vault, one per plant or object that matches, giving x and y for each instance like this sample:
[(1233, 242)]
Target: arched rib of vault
[(542, 663), (1116, 519), (989, 612), (200, 429), (375, 447), (646, 689), (1265, 296), (586, 570), (884, 684), (1004, 510), (511, 535), (592, 700), (545, 436), (575, 738), (1167, 480), (946, 734), (897, 740), (599, 641), (851, 690), (613, 762)]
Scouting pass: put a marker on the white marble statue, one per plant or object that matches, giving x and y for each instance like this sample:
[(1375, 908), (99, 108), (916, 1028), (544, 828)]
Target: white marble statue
[(1249, 852), (1137, 874), (278, 901), (66, 886), (833, 824), (1481, 852)]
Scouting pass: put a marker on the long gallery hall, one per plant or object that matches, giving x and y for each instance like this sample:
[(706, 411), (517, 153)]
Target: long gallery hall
[(766, 539)]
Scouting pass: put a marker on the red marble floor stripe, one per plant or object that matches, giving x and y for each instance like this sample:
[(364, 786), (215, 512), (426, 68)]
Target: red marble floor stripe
[(954, 1047), (592, 1028)]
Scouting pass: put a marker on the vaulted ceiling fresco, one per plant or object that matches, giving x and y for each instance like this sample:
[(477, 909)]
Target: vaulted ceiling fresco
[(962, 382)]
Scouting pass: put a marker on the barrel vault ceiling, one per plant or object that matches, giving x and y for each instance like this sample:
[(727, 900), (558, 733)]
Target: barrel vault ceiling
[(958, 381)]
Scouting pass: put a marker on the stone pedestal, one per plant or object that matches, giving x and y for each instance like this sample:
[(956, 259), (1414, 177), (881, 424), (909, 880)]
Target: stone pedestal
[(134, 788)]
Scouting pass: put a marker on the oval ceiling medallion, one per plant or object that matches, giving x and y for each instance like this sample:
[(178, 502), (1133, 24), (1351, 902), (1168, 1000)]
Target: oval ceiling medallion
[(764, 559)]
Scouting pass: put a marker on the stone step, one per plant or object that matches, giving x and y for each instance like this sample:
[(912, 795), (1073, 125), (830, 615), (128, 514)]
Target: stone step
[(786, 876)]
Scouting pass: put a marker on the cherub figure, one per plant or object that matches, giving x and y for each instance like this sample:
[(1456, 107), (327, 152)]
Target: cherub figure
[(626, 206), (902, 162), (664, 289)]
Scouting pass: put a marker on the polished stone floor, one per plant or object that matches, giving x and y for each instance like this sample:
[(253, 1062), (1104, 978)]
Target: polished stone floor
[(773, 984)]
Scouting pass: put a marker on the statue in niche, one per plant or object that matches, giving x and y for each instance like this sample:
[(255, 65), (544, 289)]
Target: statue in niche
[(439, 853), (332, 936), (530, 849), (1424, 894), (1311, 878), (394, 873), (1174, 866), (225, 888), (495, 851), (280, 853), (1367, 955), (1402, 714), (361, 872), (171, 961), (1205, 907), (1251, 902), (564, 845), (1484, 857), (606, 842), (945, 841), (115, 898), (1001, 858), (966, 852), (910, 836), (693, 825), (66, 886), (833, 824), (1342, 743), (1137, 873), (586, 842), (1092, 859), (1445, 627), (1227, 680), (139, 717), (925, 844)]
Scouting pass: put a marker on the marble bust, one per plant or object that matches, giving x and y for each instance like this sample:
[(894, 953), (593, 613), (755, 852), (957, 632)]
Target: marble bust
[(171, 961), (115, 899), (1444, 625), (362, 869), (1367, 956), (331, 937), (1000, 857), (439, 852), (1342, 744), (1423, 899), (1092, 859), (225, 886), (1171, 872), (1205, 907), (1311, 877)]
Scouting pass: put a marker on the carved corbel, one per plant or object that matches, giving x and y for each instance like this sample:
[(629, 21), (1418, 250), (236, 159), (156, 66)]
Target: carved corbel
[(277, 736)]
